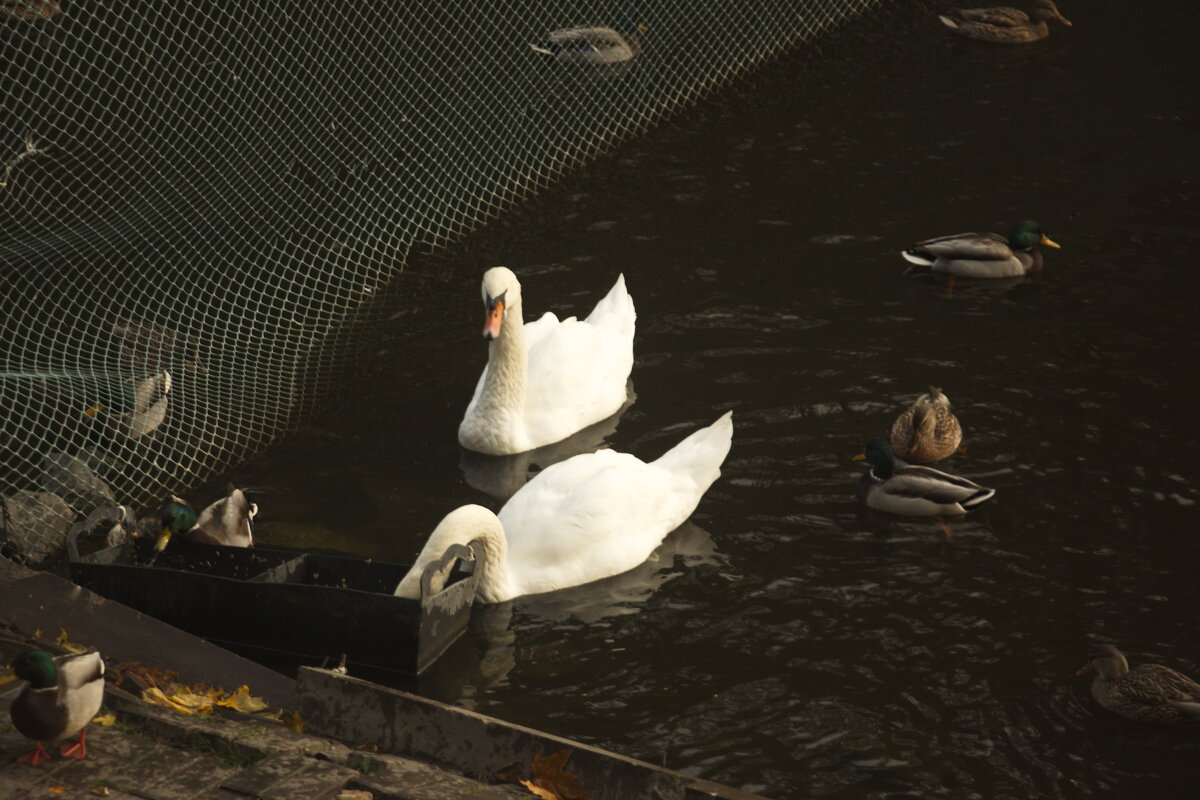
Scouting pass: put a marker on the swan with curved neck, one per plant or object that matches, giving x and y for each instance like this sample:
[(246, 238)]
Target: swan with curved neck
[(580, 520), (546, 380)]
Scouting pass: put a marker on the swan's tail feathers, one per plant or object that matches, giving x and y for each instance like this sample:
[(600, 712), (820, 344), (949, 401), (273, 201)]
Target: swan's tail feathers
[(615, 311), (921, 258), (700, 455)]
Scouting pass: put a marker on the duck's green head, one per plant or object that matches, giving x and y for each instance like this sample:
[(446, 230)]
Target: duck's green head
[(37, 667), (631, 23), (177, 517), (1027, 235), (113, 396), (880, 454)]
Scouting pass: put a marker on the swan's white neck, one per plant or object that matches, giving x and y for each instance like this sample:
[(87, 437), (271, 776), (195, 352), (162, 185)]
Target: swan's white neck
[(501, 404), (462, 526)]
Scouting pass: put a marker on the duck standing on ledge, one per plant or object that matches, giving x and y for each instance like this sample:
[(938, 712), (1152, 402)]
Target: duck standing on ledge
[(1146, 693), (1004, 25), (62, 696), (984, 255)]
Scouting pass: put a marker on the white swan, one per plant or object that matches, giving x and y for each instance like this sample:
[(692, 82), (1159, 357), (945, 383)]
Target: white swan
[(549, 379), (589, 517)]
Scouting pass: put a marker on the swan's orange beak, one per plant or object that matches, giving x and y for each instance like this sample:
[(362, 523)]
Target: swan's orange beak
[(493, 316)]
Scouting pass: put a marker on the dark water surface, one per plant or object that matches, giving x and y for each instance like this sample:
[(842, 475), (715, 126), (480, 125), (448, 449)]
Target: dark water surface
[(788, 640)]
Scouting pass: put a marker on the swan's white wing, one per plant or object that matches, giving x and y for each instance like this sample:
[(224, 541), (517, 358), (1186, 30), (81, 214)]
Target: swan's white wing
[(590, 517), (577, 376)]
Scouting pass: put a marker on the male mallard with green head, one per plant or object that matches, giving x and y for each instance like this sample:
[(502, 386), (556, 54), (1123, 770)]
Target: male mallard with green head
[(984, 255), (60, 699), (914, 491), (1005, 25), (927, 430), (225, 522), (1146, 693)]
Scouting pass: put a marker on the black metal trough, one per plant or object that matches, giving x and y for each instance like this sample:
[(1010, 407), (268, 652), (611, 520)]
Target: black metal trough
[(293, 604)]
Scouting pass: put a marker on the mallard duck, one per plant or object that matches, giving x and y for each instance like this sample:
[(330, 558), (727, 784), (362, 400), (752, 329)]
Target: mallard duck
[(225, 522), (914, 491), (62, 696), (927, 430), (590, 517), (131, 409), (984, 255), (1005, 25), (548, 379), (594, 44), (1147, 693)]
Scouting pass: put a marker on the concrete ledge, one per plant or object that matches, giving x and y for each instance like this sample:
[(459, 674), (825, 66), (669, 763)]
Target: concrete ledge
[(357, 712)]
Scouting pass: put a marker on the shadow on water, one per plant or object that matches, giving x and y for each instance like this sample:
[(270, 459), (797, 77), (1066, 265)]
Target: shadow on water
[(835, 652)]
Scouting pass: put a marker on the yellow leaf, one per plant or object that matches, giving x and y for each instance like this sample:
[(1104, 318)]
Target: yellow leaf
[(545, 794), (157, 697), (243, 701), (107, 720), (57, 788), (100, 790), (293, 722), (64, 642)]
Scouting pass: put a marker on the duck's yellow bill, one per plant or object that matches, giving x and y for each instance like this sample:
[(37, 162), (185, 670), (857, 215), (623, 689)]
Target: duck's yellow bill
[(1046, 240), (93, 410), (861, 457), (8, 677), (163, 539)]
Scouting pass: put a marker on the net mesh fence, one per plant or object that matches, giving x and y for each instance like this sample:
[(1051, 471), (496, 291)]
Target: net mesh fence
[(200, 200)]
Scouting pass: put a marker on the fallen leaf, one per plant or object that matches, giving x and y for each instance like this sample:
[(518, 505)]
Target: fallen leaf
[(64, 642), (293, 722), (355, 794), (57, 788), (157, 697), (243, 701), (107, 720), (548, 773), (538, 791), (101, 790)]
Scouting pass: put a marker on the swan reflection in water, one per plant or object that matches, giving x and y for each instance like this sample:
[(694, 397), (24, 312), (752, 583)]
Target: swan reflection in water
[(483, 658), (501, 476)]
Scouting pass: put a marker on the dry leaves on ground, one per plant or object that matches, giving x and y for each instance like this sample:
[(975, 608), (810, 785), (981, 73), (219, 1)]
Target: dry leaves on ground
[(550, 780), (65, 643)]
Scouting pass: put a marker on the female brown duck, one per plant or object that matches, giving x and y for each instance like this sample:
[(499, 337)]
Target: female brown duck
[(1147, 693), (1005, 25)]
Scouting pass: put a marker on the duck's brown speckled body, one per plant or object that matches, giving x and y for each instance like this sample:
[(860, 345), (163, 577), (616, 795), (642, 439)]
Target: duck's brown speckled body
[(1004, 25), (1146, 693), (927, 430)]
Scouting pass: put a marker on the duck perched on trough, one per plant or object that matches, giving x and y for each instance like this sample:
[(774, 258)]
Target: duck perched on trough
[(1146, 693), (580, 520), (1003, 24), (984, 255), (927, 430), (62, 695), (226, 521)]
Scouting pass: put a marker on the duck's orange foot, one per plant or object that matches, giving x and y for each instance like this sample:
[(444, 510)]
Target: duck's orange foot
[(949, 534), (38, 756), (77, 750)]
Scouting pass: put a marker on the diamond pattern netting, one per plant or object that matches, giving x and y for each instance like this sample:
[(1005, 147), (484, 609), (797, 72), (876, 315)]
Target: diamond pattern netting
[(200, 200)]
